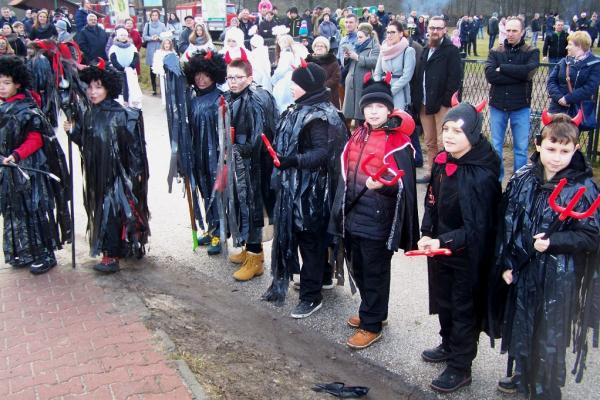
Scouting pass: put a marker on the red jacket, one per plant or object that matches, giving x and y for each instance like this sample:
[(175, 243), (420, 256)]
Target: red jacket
[(33, 142)]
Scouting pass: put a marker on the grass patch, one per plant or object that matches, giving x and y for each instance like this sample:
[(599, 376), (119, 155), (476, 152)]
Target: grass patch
[(195, 364)]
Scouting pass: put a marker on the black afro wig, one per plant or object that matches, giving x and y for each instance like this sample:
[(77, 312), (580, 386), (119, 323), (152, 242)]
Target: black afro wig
[(109, 77), (14, 67), (209, 62)]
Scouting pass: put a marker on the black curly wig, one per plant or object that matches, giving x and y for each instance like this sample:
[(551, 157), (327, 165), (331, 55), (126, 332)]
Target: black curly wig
[(214, 67), (109, 77), (14, 67)]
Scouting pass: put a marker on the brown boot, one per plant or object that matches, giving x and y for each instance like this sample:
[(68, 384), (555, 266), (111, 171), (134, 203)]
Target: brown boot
[(363, 339), (240, 258), (354, 321), (253, 266)]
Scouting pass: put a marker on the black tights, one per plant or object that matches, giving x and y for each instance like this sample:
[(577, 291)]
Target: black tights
[(153, 81)]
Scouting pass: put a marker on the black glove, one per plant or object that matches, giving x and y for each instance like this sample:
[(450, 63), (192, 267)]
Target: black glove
[(288, 162)]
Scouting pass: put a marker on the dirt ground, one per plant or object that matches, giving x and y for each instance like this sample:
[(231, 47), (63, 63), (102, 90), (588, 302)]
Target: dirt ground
[(249, 354)]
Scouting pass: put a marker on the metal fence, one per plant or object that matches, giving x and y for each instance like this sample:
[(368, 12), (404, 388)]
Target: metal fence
[(475, 88)]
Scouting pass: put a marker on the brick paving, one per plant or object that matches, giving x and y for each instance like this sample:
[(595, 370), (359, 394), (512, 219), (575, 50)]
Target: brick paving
[(61, 338)]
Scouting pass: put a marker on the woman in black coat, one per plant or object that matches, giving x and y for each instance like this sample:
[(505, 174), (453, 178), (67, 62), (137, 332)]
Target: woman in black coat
[(42, 28)]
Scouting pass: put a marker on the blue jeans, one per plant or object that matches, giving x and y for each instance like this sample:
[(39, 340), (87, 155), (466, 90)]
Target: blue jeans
[(492, 41), (534, 38), (519, 125)]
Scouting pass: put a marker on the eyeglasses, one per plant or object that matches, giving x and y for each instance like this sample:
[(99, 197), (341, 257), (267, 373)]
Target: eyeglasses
[(235, 78), (436, 28), (391, 32)]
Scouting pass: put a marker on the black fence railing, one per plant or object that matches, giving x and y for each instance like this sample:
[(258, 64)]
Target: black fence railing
[(476, 88)]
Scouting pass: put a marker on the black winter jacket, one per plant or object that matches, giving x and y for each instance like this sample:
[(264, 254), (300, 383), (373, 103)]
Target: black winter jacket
[(512, 84), (443, 75), (92, 41), (555, 45)]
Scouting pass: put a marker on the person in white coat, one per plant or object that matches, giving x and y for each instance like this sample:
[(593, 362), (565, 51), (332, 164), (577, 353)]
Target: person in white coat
[(290, 54), (261, 65), (396, 56), (167, 46)]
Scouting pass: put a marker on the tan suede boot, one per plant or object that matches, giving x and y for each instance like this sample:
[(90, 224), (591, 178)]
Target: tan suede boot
[(253, 266), (239, 258)]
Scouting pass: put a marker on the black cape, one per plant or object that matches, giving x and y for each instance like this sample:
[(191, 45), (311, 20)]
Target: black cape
[(479, 194)]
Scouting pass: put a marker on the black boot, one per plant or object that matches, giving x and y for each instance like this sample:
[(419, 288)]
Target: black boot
[(42, 265), (436, 355), (451, 380), (509, 384)]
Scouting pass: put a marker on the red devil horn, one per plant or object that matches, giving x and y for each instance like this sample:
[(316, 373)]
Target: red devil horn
[(454, 102), (546, 117), (388, 78), (227, 58), (101, 63), (244, 56), (367, 77), (303, 63), (187, 55), (479, 107), (578, 119), (208, 55)]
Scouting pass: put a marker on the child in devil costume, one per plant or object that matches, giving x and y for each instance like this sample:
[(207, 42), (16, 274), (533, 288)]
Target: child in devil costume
[(27, 204), (460, 215), (377, 222), (204, 71), (310, 138), (253, 112), (115, 167), (545, 286)]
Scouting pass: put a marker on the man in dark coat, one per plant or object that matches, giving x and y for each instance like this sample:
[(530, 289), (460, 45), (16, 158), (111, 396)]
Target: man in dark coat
[(81, 15), (510, 69), (92, 40), (555, 43), (184, 37), (6, 17), (310, 138), (441, 71), (460, 215), (253, 112), (493, 29)]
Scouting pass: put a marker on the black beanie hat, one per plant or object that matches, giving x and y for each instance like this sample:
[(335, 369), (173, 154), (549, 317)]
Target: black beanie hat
[(376, 92), (469, 119), (310, 77)]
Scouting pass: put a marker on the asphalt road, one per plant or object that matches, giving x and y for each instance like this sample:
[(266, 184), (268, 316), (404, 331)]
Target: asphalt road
[(410, 328)]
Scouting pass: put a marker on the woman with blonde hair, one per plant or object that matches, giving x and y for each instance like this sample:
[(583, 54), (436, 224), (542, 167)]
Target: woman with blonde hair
[(199, 40), (5, 48), (42, 27), (167, 46), (289, 56)]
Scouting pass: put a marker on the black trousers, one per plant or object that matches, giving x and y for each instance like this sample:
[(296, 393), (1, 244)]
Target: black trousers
[(112, 244), (371, 264), (455, 295), (153, 80), (315, 268)]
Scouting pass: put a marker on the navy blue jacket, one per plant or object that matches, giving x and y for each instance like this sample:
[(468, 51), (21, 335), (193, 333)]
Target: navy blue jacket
[(585, 78), (92, 41)]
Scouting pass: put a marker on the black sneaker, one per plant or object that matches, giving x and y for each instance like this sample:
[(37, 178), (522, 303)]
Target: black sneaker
[(41, 266), (305, 309), (326, 285), (451, 380), (509, 384), (436, 355), (108, 265)]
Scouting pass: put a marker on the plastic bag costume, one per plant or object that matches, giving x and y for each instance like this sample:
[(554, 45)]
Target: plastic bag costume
[(304, 196), (115, 165), (559, 289), (32, 227)]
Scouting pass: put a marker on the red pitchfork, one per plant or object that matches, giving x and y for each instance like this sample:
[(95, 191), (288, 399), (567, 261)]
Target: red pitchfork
[(376, 176), (567, 211)]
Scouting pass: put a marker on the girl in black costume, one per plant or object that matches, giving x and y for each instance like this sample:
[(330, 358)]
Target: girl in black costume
[(111, 139)]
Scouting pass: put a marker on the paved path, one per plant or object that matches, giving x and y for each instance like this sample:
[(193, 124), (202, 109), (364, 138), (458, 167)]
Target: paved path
[(61, 337)]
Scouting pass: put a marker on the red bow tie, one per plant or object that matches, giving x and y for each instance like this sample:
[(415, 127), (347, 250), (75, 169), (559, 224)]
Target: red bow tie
[(442, 158)]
